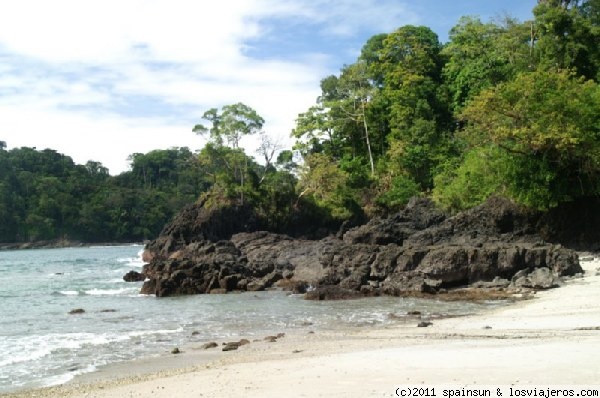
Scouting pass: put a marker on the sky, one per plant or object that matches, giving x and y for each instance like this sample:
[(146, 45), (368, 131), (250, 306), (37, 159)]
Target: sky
[(100, 80)]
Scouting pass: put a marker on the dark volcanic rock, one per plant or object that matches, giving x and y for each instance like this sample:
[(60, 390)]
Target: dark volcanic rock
[(417, 251), (134, 276), (418, 215)]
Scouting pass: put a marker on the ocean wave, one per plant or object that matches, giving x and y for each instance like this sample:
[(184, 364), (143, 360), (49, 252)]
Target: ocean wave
[(66, 377), (133, 261), (17, 349), (31, 348), (143, 333), (68, 293), (111, 292)]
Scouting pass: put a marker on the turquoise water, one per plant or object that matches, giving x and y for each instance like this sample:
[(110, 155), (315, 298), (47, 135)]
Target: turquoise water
[(41, 344)]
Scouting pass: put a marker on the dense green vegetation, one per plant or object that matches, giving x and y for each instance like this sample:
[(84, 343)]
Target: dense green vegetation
[(44, 195), (505, 107)]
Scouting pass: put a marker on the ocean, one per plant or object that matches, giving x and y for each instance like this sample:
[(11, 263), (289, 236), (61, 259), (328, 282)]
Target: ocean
[(42, 344)]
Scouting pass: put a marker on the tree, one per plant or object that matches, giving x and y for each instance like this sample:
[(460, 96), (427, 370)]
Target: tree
[(411, 65), (547, 124), (323, 181), (234, 122), (481, 55), (314, 131), (568, 33)]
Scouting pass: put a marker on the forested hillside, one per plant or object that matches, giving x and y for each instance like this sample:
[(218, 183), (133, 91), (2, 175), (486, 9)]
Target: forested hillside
[(504, 108), (44, 195)]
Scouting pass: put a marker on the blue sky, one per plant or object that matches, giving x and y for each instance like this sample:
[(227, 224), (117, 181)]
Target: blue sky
[(99, 80)]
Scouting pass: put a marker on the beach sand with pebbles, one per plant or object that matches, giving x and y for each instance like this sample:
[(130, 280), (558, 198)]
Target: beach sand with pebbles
[(551, 339)]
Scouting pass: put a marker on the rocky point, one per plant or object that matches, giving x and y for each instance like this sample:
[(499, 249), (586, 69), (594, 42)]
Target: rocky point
[(419, 250)]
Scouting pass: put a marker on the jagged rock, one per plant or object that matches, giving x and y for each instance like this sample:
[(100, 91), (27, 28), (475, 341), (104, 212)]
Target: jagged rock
[(418, 215), (134, 276), (419, 250)]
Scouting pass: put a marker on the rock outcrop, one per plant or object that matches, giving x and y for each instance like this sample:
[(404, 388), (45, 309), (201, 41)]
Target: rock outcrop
[(419, 250)]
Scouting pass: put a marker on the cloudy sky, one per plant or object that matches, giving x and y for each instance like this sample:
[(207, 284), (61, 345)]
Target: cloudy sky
[(99, 80)]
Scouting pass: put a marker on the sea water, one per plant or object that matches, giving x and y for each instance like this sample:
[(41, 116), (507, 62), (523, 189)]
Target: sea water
[(42, 344)]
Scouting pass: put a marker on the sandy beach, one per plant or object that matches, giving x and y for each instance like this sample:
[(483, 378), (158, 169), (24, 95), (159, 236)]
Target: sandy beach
[(551, 339)]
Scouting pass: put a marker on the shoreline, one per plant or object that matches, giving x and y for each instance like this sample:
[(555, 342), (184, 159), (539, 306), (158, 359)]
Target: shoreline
[(61, 244), (550, 339)]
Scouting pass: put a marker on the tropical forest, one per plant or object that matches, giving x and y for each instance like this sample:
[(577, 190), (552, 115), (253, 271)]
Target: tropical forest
[(505, 107)]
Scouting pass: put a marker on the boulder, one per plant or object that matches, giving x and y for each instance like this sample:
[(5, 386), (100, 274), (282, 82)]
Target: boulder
[(539, 278), (134, 276)]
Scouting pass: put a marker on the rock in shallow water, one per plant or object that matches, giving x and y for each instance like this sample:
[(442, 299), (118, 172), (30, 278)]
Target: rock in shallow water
[(134, 276)]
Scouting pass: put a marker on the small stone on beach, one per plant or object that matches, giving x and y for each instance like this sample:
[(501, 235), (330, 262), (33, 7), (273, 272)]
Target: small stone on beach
[(231, 346), (76, 311)]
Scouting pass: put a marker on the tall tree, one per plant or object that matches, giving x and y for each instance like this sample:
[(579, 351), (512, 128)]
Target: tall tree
[(481, 55), (232, 123), (568, 33), (411, 66)]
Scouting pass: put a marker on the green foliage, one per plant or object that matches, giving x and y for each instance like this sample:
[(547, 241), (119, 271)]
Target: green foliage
[(401, 188), (481, 55), (325, 183), (467, 182), (44, 195), (568, 34), (234, 121), (505, 108), (547, 123)]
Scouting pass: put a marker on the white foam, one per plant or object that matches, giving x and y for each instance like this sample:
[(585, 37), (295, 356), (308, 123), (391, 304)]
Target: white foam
[(66, 377), (69, 292), (142, 333), (111, 292)]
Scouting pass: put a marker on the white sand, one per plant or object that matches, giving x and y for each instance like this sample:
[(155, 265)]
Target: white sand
[(550, 340)]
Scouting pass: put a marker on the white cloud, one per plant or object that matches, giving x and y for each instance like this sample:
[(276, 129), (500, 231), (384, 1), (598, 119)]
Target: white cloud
[(80, 73)]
